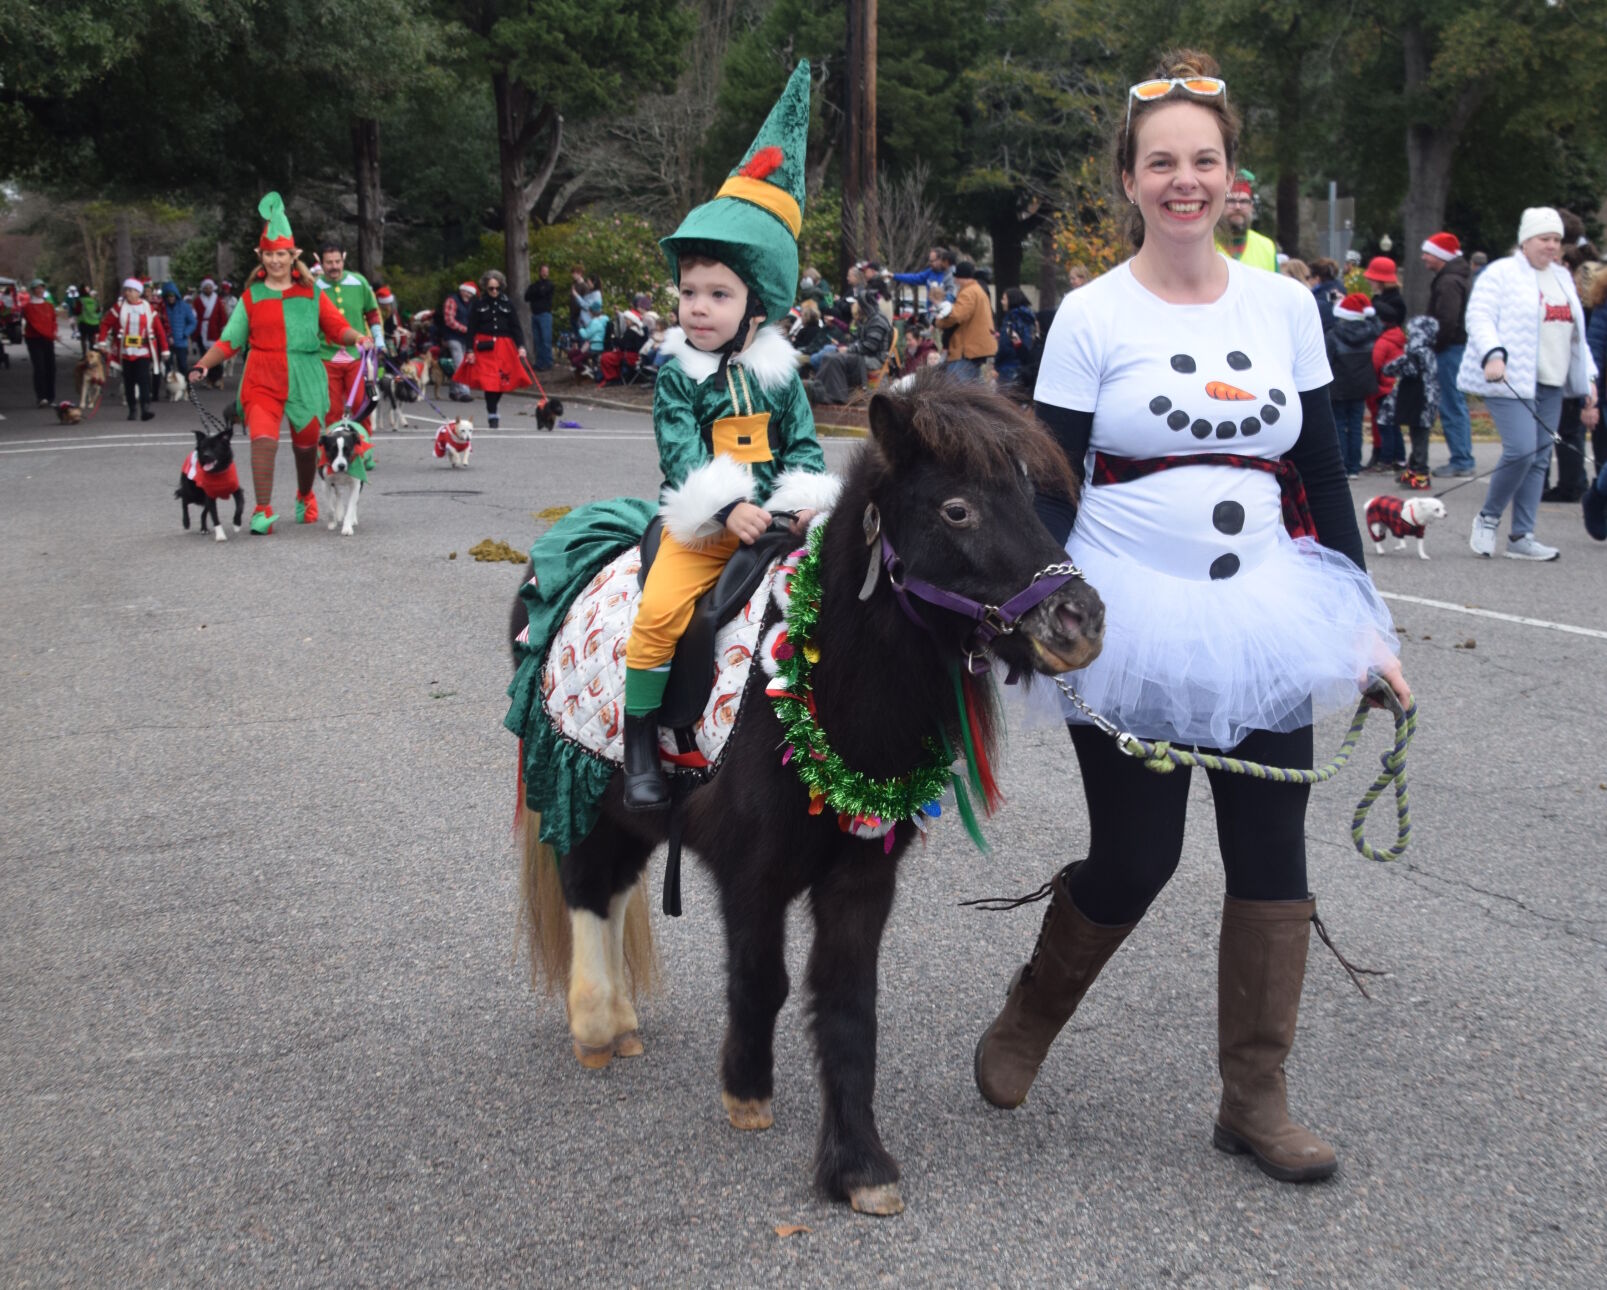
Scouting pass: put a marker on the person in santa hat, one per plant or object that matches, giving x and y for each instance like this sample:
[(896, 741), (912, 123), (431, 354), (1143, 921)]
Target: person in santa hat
[(1448, 292), (1350, 355), (1237, 238), (134, 334), (211, 312), (285, 320)]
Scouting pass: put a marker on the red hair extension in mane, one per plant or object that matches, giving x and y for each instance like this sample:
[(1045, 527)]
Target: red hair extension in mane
[(763, 163), (981, 715)]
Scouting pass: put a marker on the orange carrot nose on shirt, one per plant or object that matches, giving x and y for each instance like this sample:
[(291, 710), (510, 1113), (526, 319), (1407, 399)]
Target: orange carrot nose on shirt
[(1222, 390)]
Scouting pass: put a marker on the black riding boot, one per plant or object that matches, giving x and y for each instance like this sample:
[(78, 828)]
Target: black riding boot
[(645, 789)]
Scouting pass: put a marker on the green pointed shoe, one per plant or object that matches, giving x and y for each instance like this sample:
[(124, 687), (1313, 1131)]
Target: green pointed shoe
[(262, 522)]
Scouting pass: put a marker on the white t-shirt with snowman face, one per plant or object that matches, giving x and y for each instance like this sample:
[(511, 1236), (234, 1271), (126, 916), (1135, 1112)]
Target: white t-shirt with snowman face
[(1165, 379)]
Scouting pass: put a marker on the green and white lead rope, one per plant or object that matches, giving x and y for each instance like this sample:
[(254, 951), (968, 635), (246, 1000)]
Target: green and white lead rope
[(1162, 757)]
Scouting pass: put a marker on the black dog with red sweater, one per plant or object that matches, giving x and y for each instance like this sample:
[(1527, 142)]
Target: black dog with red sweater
[(207, 477)]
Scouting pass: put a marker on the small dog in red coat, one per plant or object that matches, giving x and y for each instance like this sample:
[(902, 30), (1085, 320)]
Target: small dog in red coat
[(1404, 517), (454, 441), (207, 477)]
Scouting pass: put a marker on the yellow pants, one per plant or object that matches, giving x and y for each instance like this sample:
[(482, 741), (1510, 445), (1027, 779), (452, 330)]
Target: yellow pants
[(678, 577)]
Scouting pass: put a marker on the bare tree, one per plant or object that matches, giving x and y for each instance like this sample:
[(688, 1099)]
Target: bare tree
[(906, 220)]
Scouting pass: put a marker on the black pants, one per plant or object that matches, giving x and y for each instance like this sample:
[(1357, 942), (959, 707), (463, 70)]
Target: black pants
[(492, 399), (1136, 825), (1570, 457), (42, 358), (137, 382)]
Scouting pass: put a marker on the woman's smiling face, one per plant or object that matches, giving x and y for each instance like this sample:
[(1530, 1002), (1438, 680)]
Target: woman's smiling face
[(1181, 174)]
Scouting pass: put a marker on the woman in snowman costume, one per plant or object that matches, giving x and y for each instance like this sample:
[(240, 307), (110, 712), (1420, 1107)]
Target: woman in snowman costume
[(1191, 394)]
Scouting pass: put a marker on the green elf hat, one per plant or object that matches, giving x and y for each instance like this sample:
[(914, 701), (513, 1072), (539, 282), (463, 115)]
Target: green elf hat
[(754, 220), (276, 235)]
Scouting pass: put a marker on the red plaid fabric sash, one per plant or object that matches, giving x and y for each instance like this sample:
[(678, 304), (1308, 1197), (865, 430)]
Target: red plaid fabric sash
[(1296, 510)]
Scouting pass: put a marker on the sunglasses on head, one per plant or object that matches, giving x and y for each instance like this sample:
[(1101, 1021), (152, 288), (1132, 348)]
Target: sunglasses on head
[(1204, 87)]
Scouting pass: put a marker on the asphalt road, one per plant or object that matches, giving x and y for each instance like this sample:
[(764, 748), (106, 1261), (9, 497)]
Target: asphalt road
[(263, 1022)]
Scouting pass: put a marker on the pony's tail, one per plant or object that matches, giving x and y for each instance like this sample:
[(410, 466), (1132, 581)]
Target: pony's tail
[(544, 917)]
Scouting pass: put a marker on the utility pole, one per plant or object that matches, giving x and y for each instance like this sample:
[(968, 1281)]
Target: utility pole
[(867, 176), (851, 128)]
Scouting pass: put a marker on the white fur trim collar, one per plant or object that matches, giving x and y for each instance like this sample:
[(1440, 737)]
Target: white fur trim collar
[(771, 360)]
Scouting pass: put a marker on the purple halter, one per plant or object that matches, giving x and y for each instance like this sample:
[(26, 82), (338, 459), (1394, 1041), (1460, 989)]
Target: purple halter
[(992, 621)]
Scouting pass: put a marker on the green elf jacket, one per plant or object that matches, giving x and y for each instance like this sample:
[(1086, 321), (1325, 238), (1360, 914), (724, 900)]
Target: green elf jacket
[(357, 304), (747, 437)]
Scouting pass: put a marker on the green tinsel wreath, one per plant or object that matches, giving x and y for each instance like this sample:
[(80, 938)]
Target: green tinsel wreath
[(827, 776)]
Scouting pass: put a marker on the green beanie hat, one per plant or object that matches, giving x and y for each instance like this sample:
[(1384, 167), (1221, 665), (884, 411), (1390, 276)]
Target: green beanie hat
[(276, 235), (752, 224)]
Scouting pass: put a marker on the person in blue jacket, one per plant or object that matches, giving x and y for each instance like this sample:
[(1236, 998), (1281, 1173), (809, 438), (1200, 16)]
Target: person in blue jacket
[(181, 326)]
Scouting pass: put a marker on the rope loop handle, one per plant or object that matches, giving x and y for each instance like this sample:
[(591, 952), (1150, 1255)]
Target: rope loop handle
[(1161, 757)]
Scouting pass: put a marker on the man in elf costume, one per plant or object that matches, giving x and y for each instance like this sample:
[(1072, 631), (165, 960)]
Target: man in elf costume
[(358, 305), (735, 433), (1238, 239), (286, 321)]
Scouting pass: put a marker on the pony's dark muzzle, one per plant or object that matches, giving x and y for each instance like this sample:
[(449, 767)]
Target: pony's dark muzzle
[(1066, 630)]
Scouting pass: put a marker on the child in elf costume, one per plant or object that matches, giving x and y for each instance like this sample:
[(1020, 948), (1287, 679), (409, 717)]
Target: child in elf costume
[(285, 319), (735, 433)]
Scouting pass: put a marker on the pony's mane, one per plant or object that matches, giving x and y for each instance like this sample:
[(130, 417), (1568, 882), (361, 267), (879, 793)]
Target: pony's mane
[(966, 427)]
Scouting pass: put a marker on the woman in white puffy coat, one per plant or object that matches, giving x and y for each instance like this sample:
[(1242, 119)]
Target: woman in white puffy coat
[(1526, 346)]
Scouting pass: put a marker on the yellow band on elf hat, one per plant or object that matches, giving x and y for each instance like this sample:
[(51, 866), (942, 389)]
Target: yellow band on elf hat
[(750, 186)]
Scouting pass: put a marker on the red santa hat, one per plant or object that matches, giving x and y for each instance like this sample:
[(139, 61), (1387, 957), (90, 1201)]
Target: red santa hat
[(1442, 246), (384, 295), (468, 288), (1353, 308), (133, 284)]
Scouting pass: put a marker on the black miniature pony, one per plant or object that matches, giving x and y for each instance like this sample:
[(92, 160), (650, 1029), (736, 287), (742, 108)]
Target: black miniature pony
[(951, 471)]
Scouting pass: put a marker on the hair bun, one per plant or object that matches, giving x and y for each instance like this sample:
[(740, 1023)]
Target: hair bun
[(1186, 62)]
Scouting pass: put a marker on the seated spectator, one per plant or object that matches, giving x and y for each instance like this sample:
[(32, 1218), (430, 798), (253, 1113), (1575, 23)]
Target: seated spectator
[(809, 333), (588, 348), (844, 369), (812, 286)]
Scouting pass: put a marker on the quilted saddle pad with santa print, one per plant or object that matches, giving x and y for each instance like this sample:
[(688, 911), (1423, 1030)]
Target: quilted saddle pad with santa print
[(583, 677)]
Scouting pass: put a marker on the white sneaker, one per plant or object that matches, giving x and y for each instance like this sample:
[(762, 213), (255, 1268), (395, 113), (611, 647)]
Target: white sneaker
[(1482, 539), (1526, 548)]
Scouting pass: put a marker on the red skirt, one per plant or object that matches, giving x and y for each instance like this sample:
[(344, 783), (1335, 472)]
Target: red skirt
[(496, 370)]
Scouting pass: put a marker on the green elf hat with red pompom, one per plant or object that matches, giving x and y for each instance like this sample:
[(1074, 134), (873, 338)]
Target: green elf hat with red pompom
[(752, 224), (276, 235)]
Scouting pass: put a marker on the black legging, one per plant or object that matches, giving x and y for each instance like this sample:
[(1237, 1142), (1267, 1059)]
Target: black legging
[(42, 358), (492, 398), (1136, 818)]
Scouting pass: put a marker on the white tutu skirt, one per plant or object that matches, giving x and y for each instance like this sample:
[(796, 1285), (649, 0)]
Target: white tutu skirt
[(1206, 662)]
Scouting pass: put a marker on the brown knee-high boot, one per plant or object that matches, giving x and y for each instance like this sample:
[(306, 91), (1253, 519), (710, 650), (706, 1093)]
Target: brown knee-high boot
[(1261, 968), (1069, 954)]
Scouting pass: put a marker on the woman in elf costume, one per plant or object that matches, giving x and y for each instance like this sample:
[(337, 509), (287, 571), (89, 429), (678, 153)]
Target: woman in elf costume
[(285, 320)]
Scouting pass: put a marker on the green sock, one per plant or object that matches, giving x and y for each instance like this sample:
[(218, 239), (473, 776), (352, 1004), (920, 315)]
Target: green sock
[(644, 689)]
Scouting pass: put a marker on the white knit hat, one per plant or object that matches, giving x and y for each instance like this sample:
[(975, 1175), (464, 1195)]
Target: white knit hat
[(1538, 220)]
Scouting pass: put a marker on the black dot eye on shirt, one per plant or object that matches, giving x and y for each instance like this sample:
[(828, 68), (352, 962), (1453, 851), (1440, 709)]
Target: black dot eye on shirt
[(1182, 363), (1239, 361)]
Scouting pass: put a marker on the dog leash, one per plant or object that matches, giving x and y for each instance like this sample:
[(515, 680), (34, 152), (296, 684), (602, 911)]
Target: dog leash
[(531, 373), (1556, 440), (395, 372), (209, 421), (1162, 757)]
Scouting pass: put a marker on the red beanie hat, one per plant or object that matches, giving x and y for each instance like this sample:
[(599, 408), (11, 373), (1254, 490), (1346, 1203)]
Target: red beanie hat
[(1353, 308), (1442, 246)]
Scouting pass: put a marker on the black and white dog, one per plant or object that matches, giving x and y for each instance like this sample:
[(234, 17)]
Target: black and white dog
[(208, 476), (343, 466)]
